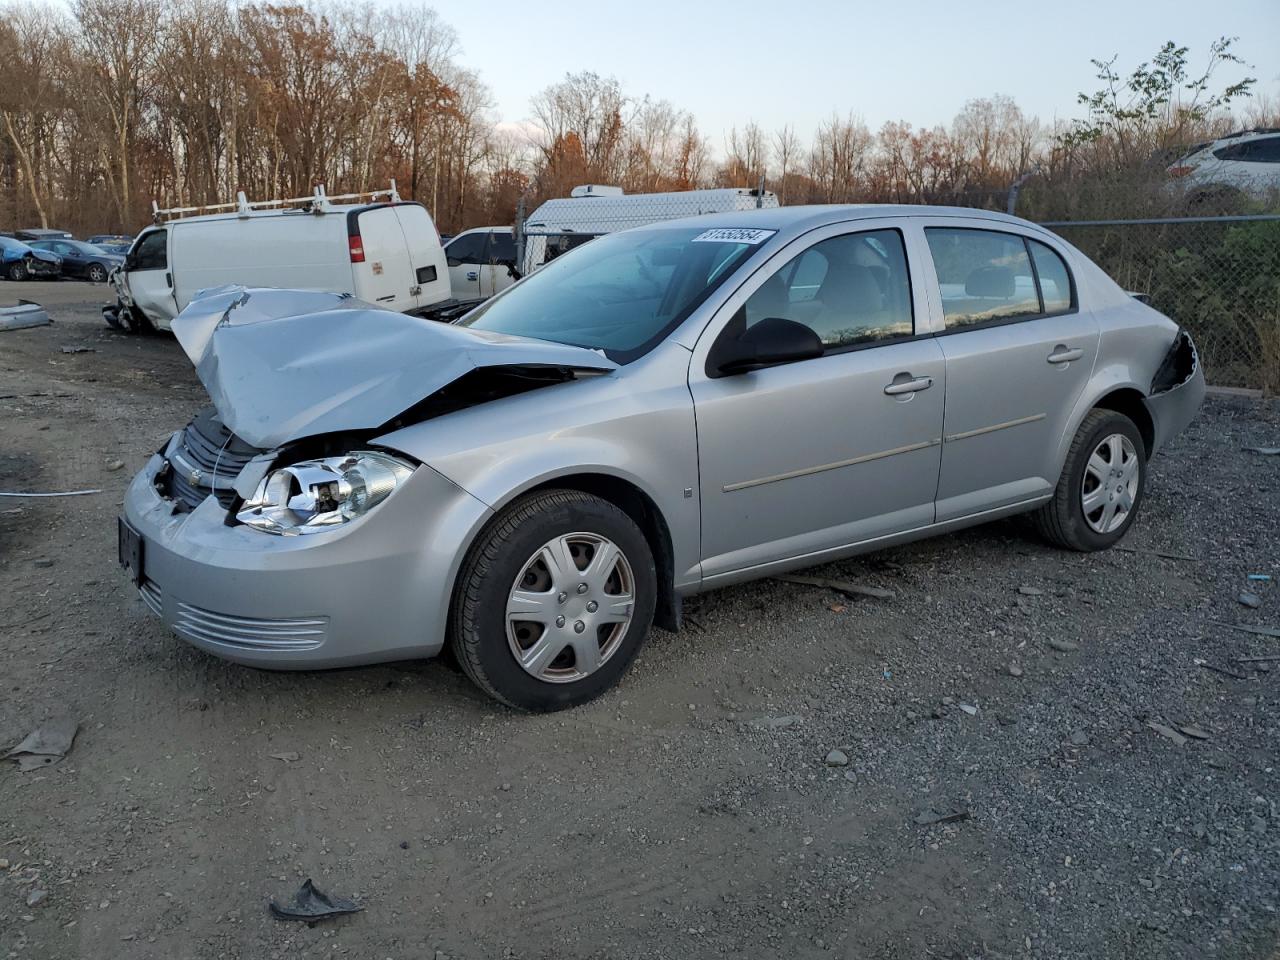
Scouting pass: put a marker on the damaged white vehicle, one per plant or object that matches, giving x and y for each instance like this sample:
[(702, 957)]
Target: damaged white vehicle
[(662, 411)]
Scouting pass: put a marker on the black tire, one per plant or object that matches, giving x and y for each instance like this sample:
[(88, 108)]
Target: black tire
[(135, 321), (16, 271), (1062, 520), (478, 628), (96, 273)]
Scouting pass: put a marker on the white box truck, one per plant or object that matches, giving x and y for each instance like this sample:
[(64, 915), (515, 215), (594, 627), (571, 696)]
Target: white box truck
[(384, 251)]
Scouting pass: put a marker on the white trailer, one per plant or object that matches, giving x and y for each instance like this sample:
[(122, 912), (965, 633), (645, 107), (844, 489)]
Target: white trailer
[(592, 210)]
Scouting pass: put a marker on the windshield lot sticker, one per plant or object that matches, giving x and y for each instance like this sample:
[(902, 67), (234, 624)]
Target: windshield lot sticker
[(734, 235)]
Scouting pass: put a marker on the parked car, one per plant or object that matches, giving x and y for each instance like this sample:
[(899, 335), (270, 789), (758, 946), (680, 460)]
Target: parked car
[(80, 259), (482, 262), (22, 262), (1247, 162), (41, 233), (660, 412), (110, 239), (385, 253), (120, 249)]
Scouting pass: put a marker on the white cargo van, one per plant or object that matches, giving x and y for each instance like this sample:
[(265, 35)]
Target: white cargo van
[(386, 252)]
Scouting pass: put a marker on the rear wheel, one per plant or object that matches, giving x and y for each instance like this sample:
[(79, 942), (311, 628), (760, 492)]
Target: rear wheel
[(97, 273), (1101, 487), (17, 270), (553, 601)]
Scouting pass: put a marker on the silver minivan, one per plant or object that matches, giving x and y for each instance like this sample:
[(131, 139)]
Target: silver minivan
[(659, 412)]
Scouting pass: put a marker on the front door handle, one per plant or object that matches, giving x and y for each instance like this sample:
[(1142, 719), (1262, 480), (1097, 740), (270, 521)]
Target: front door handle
[(899, 387), (1063, 354)]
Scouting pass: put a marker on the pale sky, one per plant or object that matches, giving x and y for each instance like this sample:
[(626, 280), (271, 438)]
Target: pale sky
[(728, 61)]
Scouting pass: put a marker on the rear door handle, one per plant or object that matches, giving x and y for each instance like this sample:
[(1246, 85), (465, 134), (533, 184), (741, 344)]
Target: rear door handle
[(899, 387), (1062, 354)]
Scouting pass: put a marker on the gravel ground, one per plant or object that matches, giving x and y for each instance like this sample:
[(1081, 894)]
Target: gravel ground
[(698, 810)]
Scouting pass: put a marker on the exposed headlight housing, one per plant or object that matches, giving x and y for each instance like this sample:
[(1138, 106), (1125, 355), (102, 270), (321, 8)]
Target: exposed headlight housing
[(317, 495)]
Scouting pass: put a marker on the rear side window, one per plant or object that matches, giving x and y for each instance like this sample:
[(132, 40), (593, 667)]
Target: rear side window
[(1262, 150), (986, 277), (151, 252), (850, 290), (1055, 280), (468, 248), (502, 248)]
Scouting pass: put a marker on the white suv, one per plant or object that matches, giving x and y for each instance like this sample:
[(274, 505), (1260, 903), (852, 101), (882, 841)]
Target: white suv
[(1248, 160)]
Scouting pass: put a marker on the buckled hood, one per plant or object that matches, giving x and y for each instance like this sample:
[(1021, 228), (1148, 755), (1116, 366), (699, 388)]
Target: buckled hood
[(280, 365)]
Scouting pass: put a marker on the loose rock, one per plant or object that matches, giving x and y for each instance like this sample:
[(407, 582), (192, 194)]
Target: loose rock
[(837, 758)]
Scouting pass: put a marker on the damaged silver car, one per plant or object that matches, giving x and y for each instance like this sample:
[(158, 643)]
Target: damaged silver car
[(661, 411)]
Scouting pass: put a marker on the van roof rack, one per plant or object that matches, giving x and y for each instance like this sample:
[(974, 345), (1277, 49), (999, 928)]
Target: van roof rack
[(318, 202)]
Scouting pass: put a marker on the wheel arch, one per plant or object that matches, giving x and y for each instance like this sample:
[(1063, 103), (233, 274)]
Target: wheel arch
[(1130, 402), (623, 493)]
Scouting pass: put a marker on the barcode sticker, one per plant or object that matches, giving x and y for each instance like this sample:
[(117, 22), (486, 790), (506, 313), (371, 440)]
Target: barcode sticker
[(734, 235)]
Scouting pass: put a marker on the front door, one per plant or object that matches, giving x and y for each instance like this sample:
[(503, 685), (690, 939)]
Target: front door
[(813, 456), (1019, 352), (149, 278)]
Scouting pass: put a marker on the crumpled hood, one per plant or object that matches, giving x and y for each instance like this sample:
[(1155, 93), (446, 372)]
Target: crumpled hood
[(280, 365)]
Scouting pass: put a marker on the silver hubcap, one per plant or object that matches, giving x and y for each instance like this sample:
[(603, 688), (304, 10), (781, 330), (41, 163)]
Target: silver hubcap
[(570, 607), (1110, 484)]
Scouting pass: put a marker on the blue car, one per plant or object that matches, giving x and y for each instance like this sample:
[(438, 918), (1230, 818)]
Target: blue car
[(18, 261)]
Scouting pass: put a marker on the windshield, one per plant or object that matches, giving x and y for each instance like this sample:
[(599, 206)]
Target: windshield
[(621, 293)]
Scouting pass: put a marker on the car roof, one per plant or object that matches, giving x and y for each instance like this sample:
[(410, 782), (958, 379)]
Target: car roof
[(802, 218)]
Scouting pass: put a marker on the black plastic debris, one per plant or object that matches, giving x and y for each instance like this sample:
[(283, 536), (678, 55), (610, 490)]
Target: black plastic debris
[(310, 904), (931, 817)]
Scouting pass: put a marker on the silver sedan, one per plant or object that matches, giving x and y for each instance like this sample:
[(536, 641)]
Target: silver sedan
[(661, 411)]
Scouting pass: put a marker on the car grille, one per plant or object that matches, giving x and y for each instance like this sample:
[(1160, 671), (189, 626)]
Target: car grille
[(151, 597), (249, 633), (208, 452)]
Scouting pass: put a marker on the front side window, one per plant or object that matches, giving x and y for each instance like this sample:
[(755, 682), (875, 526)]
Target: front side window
[(850, 290), (984, 276), (620, 293), (150, 252)]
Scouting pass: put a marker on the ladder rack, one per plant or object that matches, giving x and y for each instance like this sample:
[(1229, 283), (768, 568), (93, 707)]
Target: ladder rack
[(318, 203)]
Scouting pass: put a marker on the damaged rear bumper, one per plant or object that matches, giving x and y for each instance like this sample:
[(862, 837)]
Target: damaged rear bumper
[(372, 590), (1177, 390)]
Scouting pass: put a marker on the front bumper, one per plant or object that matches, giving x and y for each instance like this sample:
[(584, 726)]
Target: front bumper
[(373, 590)]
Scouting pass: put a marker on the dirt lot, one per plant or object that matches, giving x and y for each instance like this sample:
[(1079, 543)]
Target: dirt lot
[(690, 813)]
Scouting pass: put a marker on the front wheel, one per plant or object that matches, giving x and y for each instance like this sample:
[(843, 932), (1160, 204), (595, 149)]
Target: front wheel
[(553, 601), (97, 273), (16, 271), (1101, 487)]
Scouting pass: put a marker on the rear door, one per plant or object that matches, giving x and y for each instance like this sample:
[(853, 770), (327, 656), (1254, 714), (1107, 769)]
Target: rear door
[(1019, 352), (386, 276), (500, 257), (149, 279), (426, 256)]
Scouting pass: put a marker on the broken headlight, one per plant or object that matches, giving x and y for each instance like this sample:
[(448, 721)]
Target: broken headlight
[(317, 495)]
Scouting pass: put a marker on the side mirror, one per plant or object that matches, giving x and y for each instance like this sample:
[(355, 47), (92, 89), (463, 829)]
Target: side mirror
[(453, 261), (768, 343)]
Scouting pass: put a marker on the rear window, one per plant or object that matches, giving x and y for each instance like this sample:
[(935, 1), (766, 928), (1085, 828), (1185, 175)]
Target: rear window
[(621, 294)]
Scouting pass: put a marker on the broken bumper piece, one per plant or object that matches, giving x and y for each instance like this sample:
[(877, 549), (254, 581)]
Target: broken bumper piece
[(369, 591), (1177, 390)]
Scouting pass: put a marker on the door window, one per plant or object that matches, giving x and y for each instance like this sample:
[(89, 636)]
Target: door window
[(151, 252), (1053, 276), (502, 248), (984, 276), (1262, 150), (850, 290), (468, 248)]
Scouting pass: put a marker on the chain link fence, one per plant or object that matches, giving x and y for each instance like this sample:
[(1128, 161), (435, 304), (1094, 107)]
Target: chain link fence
[(1219, 277)]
